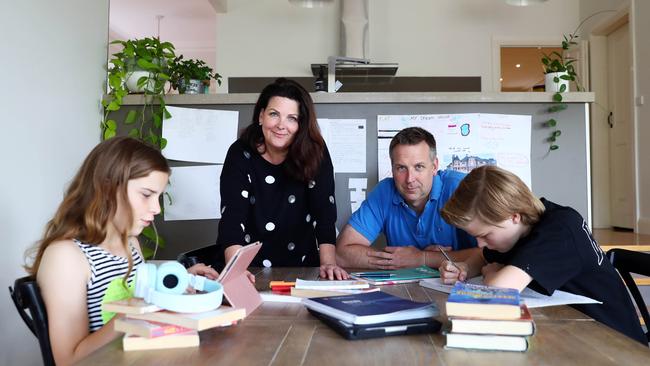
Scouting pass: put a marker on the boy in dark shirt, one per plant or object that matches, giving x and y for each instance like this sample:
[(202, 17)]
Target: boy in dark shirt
[(535, 243)]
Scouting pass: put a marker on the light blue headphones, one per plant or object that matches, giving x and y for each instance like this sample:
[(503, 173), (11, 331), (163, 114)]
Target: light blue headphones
[(164, 286)]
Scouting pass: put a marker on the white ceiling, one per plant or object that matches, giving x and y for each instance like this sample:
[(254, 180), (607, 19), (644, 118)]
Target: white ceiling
[(186, 23)]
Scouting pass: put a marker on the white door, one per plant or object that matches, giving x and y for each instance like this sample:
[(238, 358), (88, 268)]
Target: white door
[(621, 128)]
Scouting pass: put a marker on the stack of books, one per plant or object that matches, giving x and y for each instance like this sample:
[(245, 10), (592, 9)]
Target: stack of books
[(488, 318), (148, 327), (374, 314), (306, 289), (319, 288)]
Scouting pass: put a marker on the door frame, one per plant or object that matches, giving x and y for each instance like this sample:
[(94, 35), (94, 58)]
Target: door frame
[(504, 41), (599, 112)]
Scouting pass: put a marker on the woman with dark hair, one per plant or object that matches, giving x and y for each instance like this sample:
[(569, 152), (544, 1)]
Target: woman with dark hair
[(90, 247), (277, 185)]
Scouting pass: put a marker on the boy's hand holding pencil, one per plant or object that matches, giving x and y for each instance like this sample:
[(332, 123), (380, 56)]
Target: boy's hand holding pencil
[(451, 271)]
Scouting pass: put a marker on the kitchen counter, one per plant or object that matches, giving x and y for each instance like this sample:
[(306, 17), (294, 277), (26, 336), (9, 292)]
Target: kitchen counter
[(369, 98)]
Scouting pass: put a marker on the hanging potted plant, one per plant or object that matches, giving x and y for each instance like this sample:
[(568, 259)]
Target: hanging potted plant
[(142, 66), (191, 76), (559, 71)]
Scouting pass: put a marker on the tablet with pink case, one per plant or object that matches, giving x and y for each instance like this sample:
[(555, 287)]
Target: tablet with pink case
[(237, 289)]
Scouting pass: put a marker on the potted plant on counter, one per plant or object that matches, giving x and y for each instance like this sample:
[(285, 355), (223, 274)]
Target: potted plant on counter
[(142, 66), (559, 69), (559, 72), (191, 76)]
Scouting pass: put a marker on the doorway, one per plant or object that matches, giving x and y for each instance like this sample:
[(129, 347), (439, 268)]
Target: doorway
[(521, 68), (620, 121)]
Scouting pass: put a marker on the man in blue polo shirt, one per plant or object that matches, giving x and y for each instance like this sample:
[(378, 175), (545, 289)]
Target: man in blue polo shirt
[(406, 209)]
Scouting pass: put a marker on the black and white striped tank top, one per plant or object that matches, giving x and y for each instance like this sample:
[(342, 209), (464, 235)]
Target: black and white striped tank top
[(104, 268)]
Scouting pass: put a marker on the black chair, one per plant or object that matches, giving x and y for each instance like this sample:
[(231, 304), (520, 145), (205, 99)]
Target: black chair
[(209, 255), (27, 296), (628, 262)]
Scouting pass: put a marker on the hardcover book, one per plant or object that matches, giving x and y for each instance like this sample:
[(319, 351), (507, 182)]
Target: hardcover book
[(370, 308), (132, 305), (481, 301), (146, 329), (397, 276), (181, 340), (524, 326), (224, 315), (487, 342)]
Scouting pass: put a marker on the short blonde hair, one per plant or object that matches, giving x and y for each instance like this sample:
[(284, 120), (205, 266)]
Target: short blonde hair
[(492, 194)]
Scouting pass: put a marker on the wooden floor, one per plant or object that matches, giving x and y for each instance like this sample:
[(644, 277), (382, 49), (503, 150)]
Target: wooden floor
[(609, 239)]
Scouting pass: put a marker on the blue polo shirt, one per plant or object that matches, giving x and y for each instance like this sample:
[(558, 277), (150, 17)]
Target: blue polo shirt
[(386, 212)]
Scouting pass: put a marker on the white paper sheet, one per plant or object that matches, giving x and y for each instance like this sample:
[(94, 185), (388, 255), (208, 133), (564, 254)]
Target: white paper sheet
[(357, 188), (532, 299), (346, 141), (195, 193), (199, 135), (465, 141)]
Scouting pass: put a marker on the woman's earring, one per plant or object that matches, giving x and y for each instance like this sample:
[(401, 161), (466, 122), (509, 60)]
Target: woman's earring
[(259, 123)]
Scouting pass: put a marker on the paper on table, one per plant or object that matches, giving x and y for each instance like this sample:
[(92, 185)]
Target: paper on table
[(194, 191), (268, 296), (200, 135), (532, 299), (331, 285)]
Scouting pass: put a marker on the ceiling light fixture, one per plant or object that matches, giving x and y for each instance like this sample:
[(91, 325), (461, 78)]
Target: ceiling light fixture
[(311, 3), (524, 2)]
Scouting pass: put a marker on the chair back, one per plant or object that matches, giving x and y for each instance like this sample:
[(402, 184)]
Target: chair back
[(628, 262), (27, 296), (209, 255)]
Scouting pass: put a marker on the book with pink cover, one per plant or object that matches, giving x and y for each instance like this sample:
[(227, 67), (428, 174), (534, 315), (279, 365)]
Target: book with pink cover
[(237, 289)]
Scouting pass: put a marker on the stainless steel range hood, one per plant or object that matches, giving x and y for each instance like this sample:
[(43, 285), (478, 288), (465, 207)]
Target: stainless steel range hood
[(354, 48), (353, 69)]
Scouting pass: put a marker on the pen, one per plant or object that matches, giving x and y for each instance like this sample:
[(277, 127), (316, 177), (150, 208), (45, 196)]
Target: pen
[(374, 274), (447, 258)]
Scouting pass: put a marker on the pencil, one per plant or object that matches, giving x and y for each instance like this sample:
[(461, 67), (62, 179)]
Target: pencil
[(447, 258)]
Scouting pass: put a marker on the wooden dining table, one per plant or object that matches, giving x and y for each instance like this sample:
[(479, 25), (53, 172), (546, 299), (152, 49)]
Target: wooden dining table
[(280, 333)]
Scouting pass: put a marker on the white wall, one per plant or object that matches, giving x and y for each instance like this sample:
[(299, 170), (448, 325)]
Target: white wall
[(53, 56), (426, 38), (641, 24)]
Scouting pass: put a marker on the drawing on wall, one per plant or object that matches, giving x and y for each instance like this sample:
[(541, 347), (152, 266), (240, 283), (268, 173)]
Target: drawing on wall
[(465, 141)]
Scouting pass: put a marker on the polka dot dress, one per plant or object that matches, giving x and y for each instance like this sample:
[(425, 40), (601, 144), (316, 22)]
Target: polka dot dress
[(260, 202)]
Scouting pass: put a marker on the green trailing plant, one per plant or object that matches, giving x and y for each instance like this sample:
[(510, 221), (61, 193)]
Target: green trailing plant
[(561, 62), (558, 62), (153, 58), (182, 71)]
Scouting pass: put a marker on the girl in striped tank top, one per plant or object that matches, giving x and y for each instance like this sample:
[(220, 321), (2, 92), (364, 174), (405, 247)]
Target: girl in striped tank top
[(90, 247)]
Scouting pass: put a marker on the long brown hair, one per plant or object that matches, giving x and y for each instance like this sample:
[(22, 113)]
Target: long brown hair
[(306, 151), (92, 198), (491, 194)]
